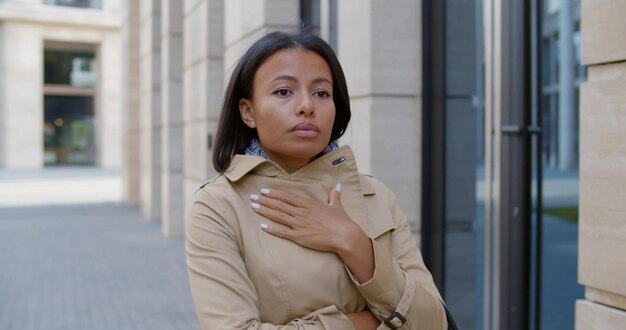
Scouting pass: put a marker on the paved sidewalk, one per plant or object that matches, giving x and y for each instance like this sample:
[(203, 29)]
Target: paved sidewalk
[(94, 263)]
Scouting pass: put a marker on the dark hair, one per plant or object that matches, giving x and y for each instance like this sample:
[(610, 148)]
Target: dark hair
[(233, 135)]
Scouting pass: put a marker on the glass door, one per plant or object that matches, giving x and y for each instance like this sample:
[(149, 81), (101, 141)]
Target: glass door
[(477, 159), (456, 156), (500, 170), (558, 74)]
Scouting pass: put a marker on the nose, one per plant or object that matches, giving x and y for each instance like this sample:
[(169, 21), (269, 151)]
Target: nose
[(305, 106)]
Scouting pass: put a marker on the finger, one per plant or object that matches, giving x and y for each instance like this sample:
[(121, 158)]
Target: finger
[(274, 215), (283, 196), (274, 204), (282, 232), (335, 195)]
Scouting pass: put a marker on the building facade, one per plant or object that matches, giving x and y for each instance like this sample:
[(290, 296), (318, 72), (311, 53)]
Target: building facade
[(60, 83), (468, 110), (602, 237)]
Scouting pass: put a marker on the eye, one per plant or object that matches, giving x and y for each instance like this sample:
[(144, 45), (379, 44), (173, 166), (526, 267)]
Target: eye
[(282, 92), (322, 94)]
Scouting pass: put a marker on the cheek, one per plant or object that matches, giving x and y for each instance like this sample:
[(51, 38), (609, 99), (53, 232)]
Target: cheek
[(331, 115)]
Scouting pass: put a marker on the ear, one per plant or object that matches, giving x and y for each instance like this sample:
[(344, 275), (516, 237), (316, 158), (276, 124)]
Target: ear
[(245, 110)]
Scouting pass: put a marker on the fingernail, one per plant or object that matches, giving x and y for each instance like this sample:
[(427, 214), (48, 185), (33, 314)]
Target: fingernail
[(265, 191), (264, 226), (338, 187), (254, 197), (255, 206)]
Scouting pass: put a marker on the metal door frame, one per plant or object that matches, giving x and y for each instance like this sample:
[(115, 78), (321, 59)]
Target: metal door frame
[(507, 42)]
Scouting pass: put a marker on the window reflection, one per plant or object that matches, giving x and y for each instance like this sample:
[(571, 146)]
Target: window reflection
[(75, 3), (68, 130), (76, 69)]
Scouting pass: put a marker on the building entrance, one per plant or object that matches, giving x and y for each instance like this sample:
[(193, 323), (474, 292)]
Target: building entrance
[(500, 171)]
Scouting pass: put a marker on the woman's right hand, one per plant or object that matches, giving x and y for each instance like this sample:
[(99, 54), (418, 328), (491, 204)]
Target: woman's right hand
[(364, 320)]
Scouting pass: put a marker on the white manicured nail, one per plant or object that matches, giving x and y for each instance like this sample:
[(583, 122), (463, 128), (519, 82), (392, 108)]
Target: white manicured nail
[(255, 206), (264, 226), (265, 191), (338, 187), (254, 197)]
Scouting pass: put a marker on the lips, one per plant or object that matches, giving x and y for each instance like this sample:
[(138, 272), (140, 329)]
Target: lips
[(305, 130)]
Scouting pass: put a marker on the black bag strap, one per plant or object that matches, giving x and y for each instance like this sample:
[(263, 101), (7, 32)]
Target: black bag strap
[(451, 323)]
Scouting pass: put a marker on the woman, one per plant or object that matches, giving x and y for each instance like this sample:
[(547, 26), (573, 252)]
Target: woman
[(290, 235)]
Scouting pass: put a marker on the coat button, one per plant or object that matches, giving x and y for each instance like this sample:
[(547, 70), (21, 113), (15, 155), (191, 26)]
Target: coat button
[(338, 161)]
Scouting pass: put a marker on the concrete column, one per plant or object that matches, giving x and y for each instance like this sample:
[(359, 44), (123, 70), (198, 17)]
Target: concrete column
[(150, 105), (203, 88), (325, 20), (109, 102), (385, 88), (3, 137), (567, 112), (22, 97), (172, 158), (131, 148)]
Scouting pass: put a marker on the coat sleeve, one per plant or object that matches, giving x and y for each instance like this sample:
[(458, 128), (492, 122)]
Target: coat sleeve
[(401, 283), (223, 294)]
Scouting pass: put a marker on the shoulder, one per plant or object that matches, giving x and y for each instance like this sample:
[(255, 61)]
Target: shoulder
[(373, 186), (215, 193)]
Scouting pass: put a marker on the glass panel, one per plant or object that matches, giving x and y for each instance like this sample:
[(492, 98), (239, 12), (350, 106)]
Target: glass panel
[(310, 15), (72, 68), (464, 162), (559, 153), (68, 130), (75, 3), (320, 17)]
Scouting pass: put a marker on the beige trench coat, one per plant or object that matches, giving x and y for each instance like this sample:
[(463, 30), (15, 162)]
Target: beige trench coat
[(244, 278)]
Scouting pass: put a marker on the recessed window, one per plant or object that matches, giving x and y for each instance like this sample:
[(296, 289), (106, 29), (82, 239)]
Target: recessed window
[(73, 68), (75, 3), (68, 130)]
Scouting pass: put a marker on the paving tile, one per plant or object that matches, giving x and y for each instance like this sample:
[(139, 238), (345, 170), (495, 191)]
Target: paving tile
[(90, 266)]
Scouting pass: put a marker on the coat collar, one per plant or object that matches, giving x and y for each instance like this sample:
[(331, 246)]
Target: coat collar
[(244, 164)]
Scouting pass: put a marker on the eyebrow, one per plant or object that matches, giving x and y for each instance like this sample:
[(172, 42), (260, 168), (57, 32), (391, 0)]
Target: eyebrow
[(291, 78)]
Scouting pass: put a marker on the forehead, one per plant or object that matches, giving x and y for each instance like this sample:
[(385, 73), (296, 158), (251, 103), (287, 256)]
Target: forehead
[(294, 62)]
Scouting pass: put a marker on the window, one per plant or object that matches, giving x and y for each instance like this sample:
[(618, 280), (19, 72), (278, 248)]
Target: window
[(75, 3), (70, 81), (74, 68), (320, 17)]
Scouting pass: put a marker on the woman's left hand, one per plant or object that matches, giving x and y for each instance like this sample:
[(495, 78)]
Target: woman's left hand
[(319, 226)]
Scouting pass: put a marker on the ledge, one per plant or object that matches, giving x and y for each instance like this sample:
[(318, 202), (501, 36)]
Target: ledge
[(57, 15)]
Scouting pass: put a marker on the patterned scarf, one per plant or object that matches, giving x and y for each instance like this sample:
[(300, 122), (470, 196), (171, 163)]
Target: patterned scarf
[(254, 149)]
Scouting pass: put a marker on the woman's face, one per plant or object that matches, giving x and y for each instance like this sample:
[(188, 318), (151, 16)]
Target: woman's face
[(292, 107)]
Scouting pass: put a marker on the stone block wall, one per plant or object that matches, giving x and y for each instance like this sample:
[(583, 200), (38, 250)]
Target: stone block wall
[(384, 80), (602, 226), (26, 28)]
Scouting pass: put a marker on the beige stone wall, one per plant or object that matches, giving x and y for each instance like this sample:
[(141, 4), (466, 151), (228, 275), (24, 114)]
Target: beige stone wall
[(130, 122), (150, 107), (384, 81), (2, 100), (602, 228), (172, 156), (203, 76), (27, 26), (23, 106)]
